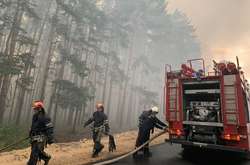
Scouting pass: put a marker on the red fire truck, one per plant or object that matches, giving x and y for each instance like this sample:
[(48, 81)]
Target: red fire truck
[(208, 109)]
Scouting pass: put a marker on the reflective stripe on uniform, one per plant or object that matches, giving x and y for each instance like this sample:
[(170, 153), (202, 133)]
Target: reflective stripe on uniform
[(49, 125), (105, 122), (97, 129), (38, 138)]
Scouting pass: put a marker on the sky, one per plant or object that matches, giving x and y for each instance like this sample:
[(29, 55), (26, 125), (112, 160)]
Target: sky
[(222, 27)]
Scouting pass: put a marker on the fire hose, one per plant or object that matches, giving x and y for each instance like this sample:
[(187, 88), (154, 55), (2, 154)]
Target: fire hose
[(13, 144), (131, 152)]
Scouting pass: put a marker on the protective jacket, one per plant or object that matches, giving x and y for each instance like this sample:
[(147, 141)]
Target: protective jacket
[(41, 134), (100, 120), (147, 122), (100, 127)]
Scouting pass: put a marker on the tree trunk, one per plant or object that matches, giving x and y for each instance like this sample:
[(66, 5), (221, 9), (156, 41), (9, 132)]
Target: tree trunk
[(9, 51), (83, 114), (119, 109), (92, 104), (48, 60), (19, 106), (124, 96), (3, 96), (105, 80), (109, 97), (131, 111), (75, 120), (55, 114), (12, 104), (70, 116)]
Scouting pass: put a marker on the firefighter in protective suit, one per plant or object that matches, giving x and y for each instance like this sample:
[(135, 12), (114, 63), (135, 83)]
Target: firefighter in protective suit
[(41, 134), (147, 122), (100, 127)]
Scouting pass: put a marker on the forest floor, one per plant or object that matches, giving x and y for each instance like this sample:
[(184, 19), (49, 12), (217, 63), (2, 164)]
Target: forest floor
[(77, 153)]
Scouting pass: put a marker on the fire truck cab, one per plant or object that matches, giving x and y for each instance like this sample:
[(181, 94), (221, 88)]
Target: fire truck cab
[(208, 109)]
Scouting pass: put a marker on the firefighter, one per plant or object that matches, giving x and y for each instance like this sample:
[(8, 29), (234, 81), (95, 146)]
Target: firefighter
[(147, 122), (100, 127), (41, 134)]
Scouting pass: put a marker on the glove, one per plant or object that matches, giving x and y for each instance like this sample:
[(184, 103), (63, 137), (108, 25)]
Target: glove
[(106, 132), (84, 125), (152, 130), (166, 129), (50, 140), (112, 145)]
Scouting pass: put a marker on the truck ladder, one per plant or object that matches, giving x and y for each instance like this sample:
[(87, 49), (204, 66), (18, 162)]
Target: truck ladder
[(230, 100), (172, 95)]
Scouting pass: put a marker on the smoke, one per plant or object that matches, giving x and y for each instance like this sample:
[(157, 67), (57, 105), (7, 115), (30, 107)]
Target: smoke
[(222, 26)]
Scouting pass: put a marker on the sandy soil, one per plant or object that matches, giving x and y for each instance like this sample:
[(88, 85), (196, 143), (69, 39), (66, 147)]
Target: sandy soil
[(76, 153)]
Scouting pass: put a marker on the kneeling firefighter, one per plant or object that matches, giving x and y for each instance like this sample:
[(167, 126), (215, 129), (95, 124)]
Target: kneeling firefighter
[(100, 127), (41, 134), (147, 122)]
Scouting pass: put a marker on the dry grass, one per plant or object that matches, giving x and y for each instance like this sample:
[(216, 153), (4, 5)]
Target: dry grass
[(75, 153)]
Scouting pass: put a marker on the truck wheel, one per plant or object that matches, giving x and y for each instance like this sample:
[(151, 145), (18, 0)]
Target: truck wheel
[(247, 156), (186, 151)]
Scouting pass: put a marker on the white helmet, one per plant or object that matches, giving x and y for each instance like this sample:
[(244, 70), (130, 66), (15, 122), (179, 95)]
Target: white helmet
[(155, 109)]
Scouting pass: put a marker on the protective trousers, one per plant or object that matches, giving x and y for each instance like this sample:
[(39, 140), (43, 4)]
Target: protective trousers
[(37, 153), (97, 135), (143, 136)]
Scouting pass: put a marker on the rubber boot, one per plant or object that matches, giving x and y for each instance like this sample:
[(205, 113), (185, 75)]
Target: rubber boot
[(102, 146), (46, 161), (97, 151), (135, 155), (147, 153), (95, 154)]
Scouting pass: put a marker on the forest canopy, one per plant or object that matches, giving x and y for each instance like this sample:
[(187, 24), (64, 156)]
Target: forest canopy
[(73, 53)]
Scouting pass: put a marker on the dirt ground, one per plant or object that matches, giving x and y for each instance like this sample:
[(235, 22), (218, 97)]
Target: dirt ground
[(77, 153)]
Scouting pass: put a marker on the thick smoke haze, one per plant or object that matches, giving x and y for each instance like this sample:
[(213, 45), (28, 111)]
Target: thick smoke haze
[(222, 26)]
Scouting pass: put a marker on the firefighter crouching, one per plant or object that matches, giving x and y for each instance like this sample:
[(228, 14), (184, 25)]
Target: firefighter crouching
[(100, 127), (41, 134), (147, 122)]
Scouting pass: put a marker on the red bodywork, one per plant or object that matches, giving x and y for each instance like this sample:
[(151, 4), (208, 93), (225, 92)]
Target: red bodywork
[(234, 105)]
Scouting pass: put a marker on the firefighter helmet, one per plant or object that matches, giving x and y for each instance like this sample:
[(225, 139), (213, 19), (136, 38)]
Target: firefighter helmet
[(155, 109), (37, 104)]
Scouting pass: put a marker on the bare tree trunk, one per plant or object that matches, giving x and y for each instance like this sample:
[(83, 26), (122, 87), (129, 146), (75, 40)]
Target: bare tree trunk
[(3, 96), (12, 104), (131, 113), (46, 73), (119, 109), (75, 120), (126, 81), (105, 80), (92, 104), (65, 114), (48, 60), (109, 97), (55, 115), (83, 114), (70, 116), (9, 51), (19, 106)]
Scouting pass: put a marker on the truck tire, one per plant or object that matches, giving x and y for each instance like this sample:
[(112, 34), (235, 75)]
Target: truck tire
[(186, 151), (247, 155)]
